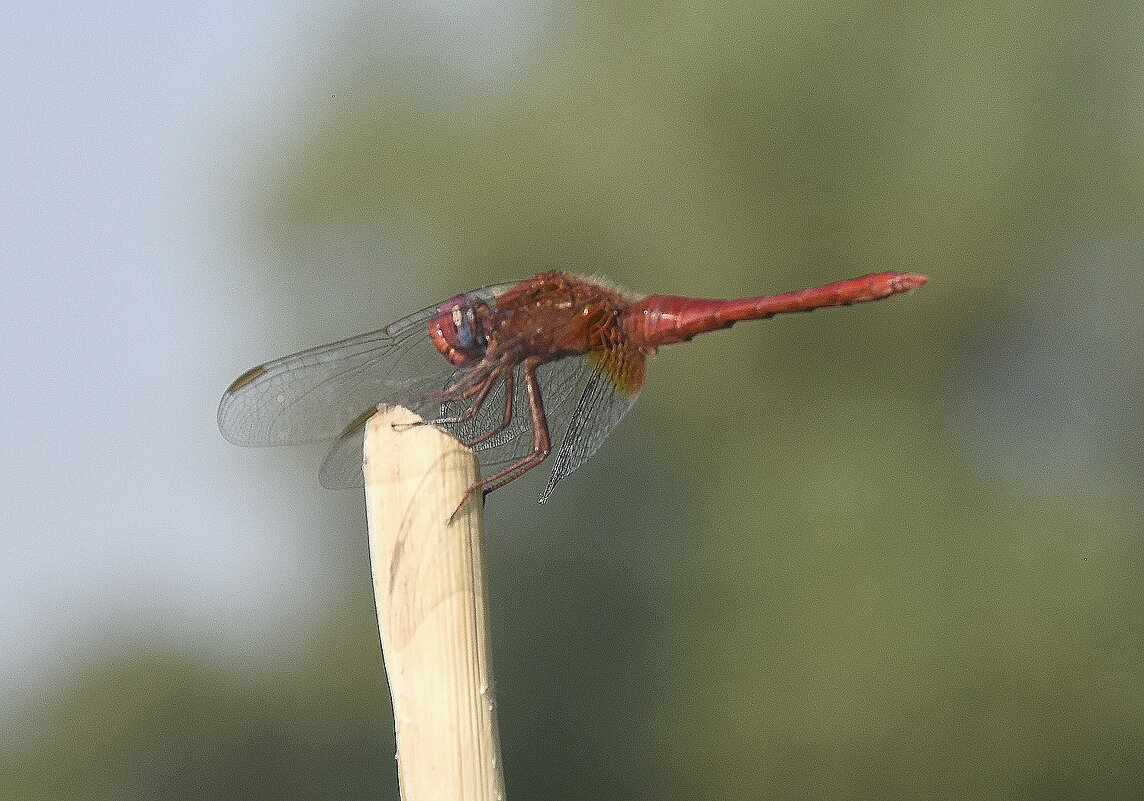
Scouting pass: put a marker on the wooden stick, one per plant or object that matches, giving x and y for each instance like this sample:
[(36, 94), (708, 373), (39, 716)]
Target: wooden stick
[(431, 609)]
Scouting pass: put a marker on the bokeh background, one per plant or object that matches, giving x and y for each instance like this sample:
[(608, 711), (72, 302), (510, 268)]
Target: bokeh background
[(892, 550)]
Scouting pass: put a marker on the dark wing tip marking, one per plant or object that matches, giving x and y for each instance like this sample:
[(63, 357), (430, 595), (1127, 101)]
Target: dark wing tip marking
[(358, 422), (246, 378)]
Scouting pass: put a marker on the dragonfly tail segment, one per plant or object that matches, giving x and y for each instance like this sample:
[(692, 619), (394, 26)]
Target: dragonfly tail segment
[(660, 320)]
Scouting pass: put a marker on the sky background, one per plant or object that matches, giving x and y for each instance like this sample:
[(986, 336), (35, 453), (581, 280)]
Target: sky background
[(183, 199), (129, 134)]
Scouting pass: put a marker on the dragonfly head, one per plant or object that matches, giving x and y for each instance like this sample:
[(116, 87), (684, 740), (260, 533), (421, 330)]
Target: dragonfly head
[(457, 331)]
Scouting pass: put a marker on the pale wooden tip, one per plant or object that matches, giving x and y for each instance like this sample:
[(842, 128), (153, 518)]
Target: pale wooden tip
[(431, 608)]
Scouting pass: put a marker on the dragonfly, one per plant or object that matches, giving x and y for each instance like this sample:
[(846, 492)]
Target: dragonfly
[(508, 369)]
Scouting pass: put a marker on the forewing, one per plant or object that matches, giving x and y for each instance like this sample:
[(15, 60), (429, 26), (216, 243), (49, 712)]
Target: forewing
[(562, 382), (316, 394)]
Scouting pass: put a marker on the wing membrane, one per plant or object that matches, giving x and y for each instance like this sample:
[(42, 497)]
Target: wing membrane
[(316, 394), (611, 391)]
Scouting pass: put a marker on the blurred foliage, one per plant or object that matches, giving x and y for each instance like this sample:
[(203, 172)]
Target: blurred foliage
[(888, 552)]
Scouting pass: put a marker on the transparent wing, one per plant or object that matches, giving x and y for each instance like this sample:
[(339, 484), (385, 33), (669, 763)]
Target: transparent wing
[(611, 390), (316, 394), (561, 383)]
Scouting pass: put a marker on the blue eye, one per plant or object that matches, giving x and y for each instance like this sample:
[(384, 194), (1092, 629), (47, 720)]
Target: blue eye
[(464, 328), (457, 331)]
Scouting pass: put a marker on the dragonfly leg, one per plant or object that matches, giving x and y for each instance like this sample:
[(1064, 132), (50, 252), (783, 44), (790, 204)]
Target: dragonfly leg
[(480, 391), (464, 389), (475, 382), (542, 444), (504, 423)]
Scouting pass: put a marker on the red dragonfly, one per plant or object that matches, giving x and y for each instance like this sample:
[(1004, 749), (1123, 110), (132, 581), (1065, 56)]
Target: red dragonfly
[(571, 351)]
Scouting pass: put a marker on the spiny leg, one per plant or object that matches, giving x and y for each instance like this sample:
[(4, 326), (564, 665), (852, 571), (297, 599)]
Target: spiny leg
[(471, 383), (542, 444), (480, 391), (458, 392), (508, 391)]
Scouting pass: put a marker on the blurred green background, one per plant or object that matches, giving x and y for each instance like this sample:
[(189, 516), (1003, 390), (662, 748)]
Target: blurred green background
[(887, 551)]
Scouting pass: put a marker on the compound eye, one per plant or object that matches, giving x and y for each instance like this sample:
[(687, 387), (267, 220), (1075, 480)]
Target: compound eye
[(457, 332), (464, 326)]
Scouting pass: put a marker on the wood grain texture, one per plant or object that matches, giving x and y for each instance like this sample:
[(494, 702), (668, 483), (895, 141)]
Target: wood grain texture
[(431, 608)]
